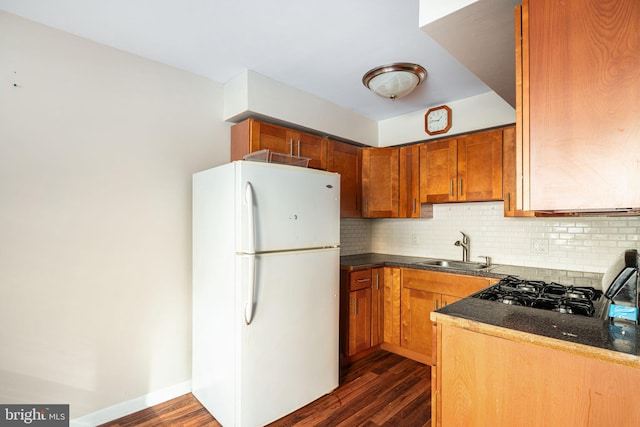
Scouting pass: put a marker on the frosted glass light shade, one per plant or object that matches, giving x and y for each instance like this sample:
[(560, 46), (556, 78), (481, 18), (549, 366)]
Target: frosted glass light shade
[(394, 80)]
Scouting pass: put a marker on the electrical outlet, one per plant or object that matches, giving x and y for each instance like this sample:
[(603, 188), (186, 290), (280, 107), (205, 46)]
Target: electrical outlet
[(539, 246), (414, 239)]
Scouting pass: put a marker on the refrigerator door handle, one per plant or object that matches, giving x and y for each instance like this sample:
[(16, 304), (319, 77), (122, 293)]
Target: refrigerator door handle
[(248, 310), (251, 251)]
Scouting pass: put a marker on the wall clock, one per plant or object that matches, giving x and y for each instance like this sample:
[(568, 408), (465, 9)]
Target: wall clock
[(437, 120)]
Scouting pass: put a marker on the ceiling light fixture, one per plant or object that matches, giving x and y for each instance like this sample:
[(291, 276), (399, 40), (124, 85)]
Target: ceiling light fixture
[(394, 80)]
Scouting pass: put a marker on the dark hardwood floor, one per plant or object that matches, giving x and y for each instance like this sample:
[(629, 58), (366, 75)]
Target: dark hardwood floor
[(382, 389)]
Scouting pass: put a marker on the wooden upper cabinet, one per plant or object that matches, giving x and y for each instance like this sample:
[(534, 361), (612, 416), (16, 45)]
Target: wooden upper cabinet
[(480, 166), (346, 160), (409, 182), (510, 174), (439, 169), (312, 146), (380, 182), (468, 168), (253, 135), (580, 105)]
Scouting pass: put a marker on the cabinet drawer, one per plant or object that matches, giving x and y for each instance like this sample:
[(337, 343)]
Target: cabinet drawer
[(359, 280), (457, 285)]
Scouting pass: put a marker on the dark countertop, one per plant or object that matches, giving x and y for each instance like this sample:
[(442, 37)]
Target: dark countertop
[(564, 277), (583, 335)]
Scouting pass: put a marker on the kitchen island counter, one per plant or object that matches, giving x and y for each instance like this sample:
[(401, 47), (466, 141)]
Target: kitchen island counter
[(587, 336), (528, 367)]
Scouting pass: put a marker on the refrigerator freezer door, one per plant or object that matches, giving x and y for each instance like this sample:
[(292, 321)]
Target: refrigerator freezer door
[(294, 208), (289, 352)]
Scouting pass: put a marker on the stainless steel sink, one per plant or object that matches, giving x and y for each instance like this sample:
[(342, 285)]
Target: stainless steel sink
[(454, 265)]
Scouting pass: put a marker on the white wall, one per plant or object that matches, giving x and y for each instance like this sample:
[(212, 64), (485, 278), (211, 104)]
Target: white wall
[(250, 94), (575, 244), (467, 115), (97, 148), (432, 10)]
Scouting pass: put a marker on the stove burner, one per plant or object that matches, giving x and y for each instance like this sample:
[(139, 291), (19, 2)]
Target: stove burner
[(546, 296)]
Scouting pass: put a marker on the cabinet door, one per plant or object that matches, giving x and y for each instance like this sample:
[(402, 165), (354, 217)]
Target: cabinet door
[(416, 326), (311, 146), (510, 174), (359, 321), (377, 289), (584, 80), (273, 137), (409, 182), (391, 303), (480, 166), (439, 169), (253, 135), (346, 160), (380, 188)]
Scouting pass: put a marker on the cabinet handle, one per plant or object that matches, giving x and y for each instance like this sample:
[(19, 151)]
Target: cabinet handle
[(460, 194), (435, 304), (451, 188), (508, 202), (377, 282), (291, 147), (362, 280), (298, 147), (355, 305), (366, 206), (414, 205)]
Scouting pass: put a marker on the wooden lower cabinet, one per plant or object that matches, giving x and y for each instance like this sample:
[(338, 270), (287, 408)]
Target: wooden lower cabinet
[(359, 321), (481, 380), (377, 289), (421, 292), (390, 308), (417, 306), (361, 310)]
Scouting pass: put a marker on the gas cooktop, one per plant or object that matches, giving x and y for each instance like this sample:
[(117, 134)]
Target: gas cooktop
[(585, 301)]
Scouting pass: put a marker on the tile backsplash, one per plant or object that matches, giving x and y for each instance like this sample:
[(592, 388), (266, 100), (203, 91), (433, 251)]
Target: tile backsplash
[(571, 243)]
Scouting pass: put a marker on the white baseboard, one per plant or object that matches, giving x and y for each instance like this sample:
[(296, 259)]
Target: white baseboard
[(134, 405)]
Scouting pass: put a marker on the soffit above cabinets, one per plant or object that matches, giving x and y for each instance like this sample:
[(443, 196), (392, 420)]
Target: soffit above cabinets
[(481, 37)]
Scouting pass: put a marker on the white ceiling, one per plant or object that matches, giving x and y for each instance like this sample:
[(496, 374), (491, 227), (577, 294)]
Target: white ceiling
[(321, 47)]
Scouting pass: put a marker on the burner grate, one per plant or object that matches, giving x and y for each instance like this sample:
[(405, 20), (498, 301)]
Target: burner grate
[(546, 296)]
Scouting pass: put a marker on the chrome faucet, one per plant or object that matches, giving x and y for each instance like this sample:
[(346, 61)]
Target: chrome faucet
[(465, 246)]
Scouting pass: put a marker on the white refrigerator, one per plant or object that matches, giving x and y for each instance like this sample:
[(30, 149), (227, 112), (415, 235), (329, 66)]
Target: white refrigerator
[(265, 289)]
